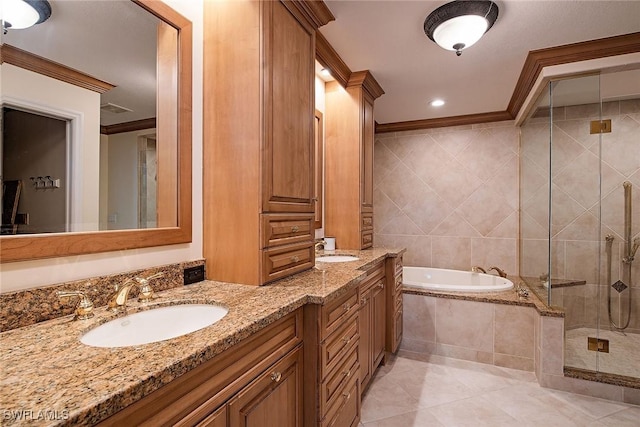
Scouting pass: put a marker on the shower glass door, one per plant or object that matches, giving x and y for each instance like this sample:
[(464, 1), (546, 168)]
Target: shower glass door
[(594, 175)]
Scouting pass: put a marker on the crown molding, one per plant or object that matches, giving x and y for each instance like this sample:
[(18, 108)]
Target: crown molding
[(467, 119), (535, 62), (132, 126), (329, 58), (28, 61)]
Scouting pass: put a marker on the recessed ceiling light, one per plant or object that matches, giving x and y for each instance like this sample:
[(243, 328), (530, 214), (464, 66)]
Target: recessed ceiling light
[(437, 103), (325, 72)]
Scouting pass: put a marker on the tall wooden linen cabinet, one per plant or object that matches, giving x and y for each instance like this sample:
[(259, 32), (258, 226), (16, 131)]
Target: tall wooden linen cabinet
[(349, 136), (258, 154)]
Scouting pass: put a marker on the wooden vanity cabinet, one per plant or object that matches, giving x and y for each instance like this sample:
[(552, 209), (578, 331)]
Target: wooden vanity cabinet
[(332, 365), (255, 383), (372, 295), (258, 150), (394, 304), (349, 137)]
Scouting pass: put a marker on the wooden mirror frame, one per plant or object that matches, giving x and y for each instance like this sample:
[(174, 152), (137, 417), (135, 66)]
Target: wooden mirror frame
[(29, 247)]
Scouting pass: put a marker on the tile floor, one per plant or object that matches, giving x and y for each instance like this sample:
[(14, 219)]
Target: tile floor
[(432, 391), (622, 358)]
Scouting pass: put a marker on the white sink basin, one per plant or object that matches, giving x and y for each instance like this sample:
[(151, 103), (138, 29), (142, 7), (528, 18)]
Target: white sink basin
[(336, 258), (154, 325)]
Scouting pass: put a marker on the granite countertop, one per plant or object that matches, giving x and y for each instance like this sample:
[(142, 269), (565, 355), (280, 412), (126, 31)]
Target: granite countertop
[(509, 297), (49, 378)]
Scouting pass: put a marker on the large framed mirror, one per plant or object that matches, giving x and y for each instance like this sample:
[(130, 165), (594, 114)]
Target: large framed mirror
[(96, 130)]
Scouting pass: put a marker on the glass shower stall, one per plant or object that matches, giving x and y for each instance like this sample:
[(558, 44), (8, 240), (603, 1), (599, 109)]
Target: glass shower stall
[(580, 217)]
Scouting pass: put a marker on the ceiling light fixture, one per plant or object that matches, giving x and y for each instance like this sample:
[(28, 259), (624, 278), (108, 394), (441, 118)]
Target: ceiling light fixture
[(457, 25), (20, 14), (325, 72), (437, 103)]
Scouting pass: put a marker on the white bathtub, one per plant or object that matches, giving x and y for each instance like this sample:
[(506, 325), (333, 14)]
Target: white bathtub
[(442, 280)]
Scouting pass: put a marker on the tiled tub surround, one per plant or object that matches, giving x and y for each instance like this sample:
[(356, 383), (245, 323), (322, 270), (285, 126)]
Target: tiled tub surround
[(449, 195), (45, 367), (26, 307), (501, 329)]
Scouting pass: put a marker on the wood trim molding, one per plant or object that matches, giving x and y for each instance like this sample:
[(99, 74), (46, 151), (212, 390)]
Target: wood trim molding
[(467, 119), (575, 52), (329, 58), (535, 62), (366, 80), (27, 60), (315, 11), (128, 126)]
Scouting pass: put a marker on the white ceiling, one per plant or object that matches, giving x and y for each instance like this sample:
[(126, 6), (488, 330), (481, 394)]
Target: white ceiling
[(387, 38)]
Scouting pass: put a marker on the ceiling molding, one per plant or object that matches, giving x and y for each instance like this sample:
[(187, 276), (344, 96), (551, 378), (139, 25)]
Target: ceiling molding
[(316, 12), (128, 126), (535, 62), (575, 52), (467, 119), (23, 59), (329, 58), (366, 80)]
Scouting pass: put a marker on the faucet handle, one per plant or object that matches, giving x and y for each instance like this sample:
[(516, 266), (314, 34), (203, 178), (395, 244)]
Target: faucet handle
[(500, 271), (146, 291), (84, 309)]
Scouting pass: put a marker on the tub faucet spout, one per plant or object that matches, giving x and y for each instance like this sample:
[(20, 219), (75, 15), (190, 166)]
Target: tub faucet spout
[(478, 269), (500, 271)]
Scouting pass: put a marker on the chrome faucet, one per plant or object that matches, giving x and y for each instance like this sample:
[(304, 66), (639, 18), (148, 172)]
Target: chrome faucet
[(478, 269), (500, 271)]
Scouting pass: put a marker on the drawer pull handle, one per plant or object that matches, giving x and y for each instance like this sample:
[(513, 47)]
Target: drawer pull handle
[(347, 374), (295, 258), (381, 285), (295, 228), (363, 301), (276, 377), (347, 396), (346, 306), (346, 340)]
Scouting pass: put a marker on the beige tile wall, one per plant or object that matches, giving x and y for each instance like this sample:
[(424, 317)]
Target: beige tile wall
[(578, 251), (496, 334), (449, 195)]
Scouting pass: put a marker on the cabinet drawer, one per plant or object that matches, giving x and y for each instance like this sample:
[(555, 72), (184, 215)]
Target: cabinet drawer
[(286, 260), (284, 229), (398, 284), (367, 239), (334, 348), (397, 329), (336, 382), (345, 411), (398, 265), (397, 302), (374, 277), (366, 221), (336, 312)]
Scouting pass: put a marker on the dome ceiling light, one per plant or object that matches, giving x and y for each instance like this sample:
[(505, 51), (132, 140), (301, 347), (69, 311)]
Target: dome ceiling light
[(20, 14), (457, 25)]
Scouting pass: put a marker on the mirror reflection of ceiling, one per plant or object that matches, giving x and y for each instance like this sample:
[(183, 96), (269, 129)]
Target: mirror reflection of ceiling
[(114, 41)]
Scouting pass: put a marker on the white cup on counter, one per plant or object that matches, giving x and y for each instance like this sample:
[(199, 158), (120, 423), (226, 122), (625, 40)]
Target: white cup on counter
[(329, 243)]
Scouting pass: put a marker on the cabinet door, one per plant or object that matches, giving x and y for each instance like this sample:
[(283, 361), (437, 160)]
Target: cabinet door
[(364, 346), (274, 399), (288, 51), (217, 419), (367, 155), (378, 303)]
